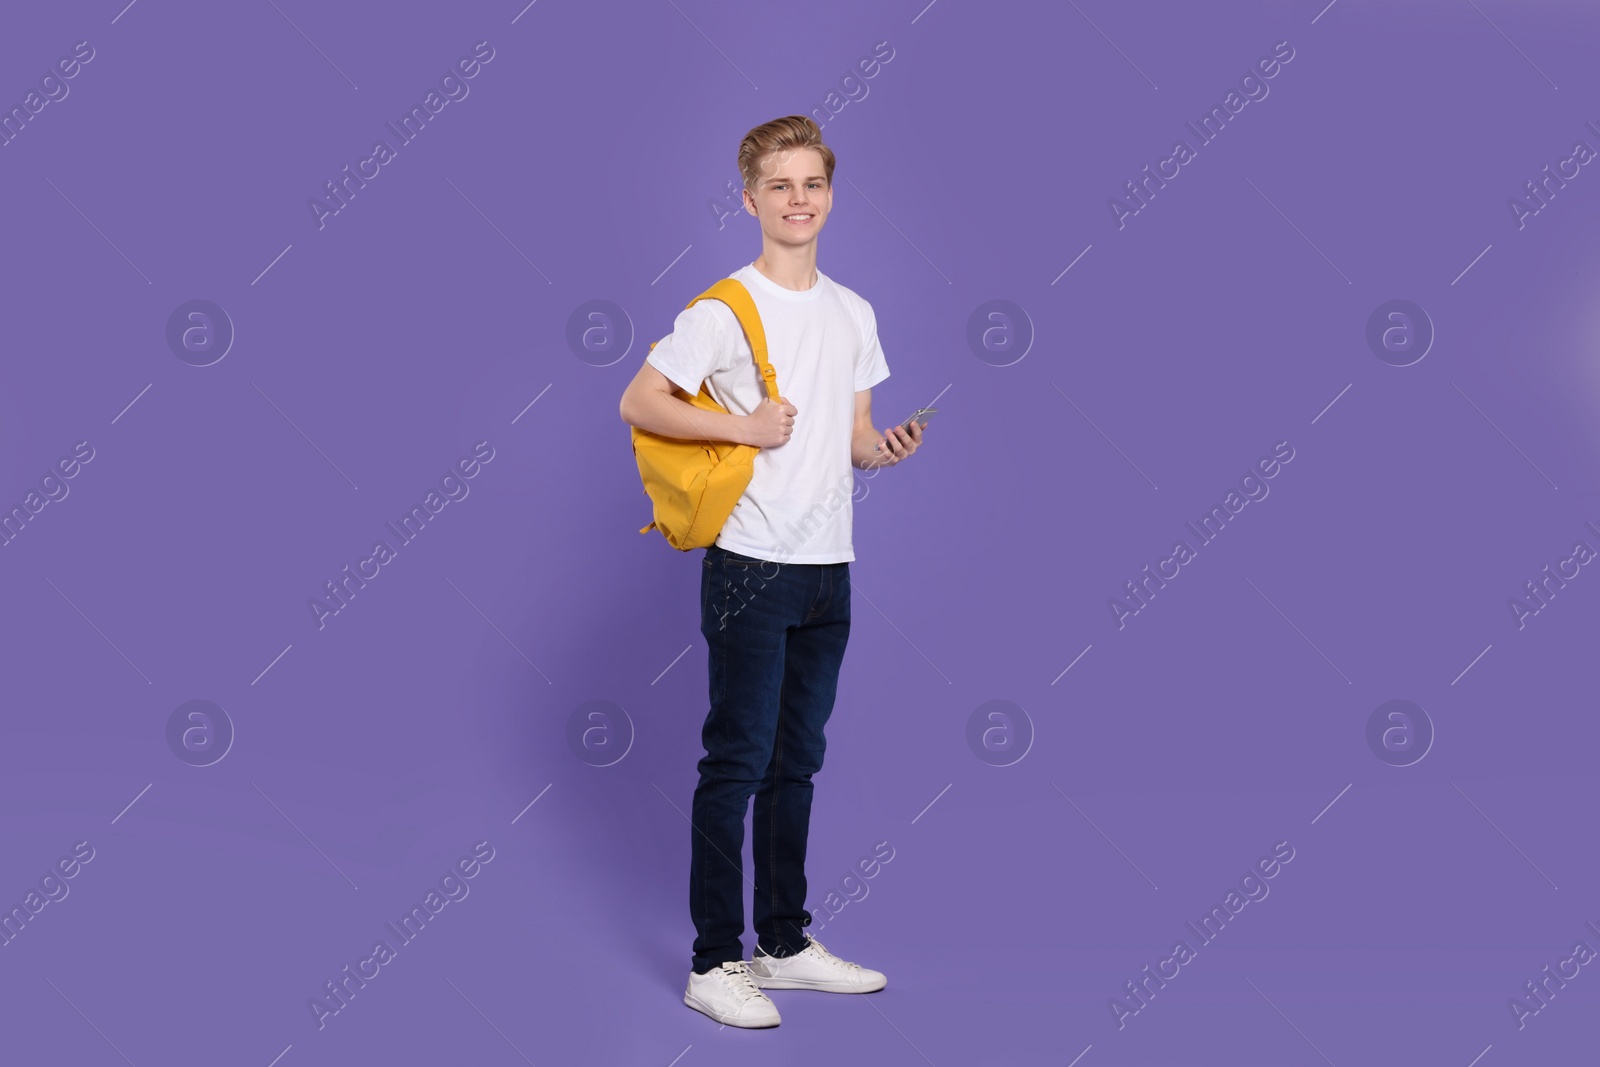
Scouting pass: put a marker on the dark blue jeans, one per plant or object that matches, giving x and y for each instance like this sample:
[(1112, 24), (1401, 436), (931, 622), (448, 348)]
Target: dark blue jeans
[(776, 633)]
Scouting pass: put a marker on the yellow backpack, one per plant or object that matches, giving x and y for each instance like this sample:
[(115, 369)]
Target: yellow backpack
[(693, 485)]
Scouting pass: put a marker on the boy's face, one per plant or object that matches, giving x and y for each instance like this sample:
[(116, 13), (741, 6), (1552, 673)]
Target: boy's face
[(791, 197)]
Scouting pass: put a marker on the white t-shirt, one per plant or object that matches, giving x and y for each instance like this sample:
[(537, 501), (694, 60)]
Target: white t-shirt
[(822, 343)]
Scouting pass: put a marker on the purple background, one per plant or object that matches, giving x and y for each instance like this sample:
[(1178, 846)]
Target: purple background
[(432, 311)]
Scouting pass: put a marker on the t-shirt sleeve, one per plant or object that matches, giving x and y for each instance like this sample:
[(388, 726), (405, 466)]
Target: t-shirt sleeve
[(697, 347), (871, 367)]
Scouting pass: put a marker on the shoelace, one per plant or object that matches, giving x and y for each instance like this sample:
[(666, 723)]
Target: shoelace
[(737, 975), (830, 957)]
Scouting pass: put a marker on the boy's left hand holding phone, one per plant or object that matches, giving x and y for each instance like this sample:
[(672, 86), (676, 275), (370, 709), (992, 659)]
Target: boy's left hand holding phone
[(904, 439)]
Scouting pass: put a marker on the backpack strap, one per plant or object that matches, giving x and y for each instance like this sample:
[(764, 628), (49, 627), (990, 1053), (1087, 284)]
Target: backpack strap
[(733, 293)]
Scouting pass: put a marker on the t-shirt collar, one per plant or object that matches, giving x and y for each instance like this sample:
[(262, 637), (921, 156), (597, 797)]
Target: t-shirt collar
[(767, 285)]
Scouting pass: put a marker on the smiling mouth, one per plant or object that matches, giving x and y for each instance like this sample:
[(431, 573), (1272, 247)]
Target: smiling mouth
[(799, 220)]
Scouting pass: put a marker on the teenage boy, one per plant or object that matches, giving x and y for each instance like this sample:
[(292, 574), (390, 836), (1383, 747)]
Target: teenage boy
[(775, 587)]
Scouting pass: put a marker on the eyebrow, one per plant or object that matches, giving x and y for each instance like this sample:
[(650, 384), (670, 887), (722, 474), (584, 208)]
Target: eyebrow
[(813, 178)]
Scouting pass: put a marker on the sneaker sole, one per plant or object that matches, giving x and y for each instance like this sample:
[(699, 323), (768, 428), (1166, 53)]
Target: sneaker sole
[(726, 1020), (821, 987)]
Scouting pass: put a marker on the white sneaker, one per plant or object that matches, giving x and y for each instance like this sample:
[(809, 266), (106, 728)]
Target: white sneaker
[(814, 968), (728, 995)]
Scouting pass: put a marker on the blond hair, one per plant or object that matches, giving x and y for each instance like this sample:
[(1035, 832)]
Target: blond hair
[(791, 131)]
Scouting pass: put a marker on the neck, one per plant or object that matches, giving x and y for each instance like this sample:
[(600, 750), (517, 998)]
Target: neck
[(792, 268)]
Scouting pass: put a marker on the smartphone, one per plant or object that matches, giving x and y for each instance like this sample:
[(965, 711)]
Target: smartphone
[(921, 416)]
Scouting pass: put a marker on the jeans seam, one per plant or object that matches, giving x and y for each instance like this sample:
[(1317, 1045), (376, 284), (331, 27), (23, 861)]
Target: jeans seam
[(772, 812), (718, 688)]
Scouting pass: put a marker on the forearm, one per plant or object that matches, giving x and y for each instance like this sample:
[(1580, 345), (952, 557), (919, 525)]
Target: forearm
[(667, 415)]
